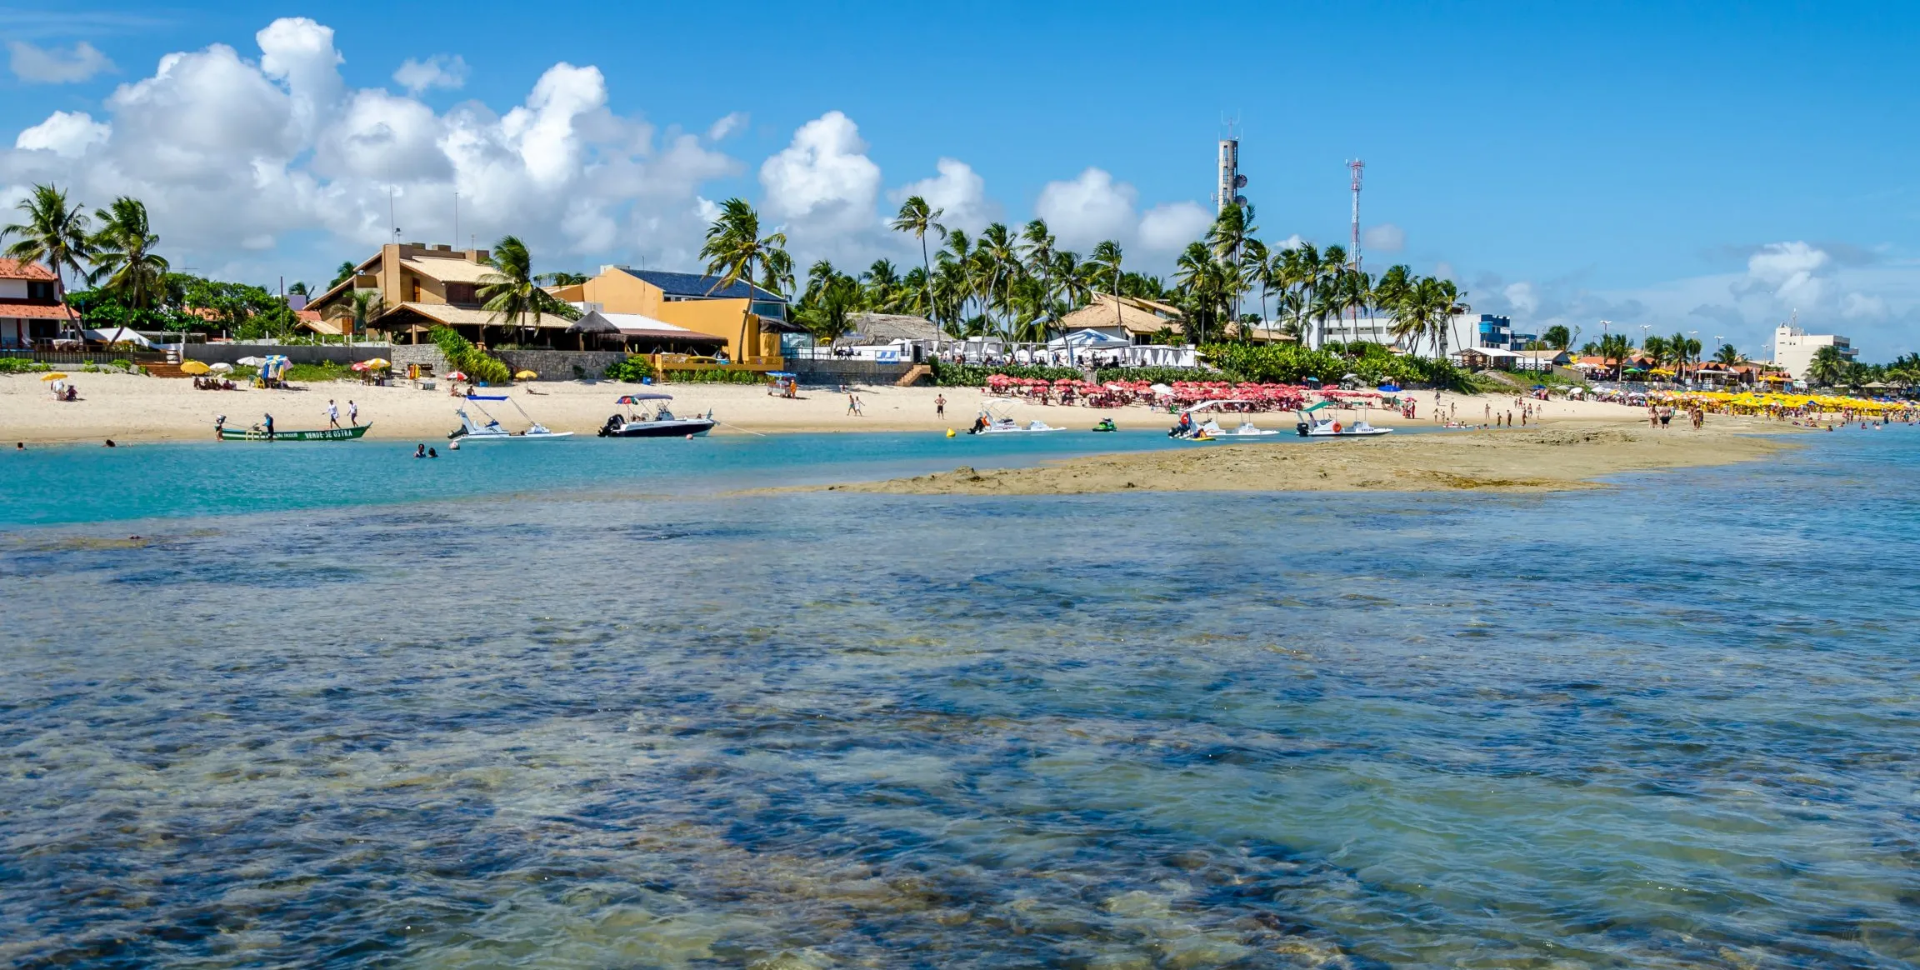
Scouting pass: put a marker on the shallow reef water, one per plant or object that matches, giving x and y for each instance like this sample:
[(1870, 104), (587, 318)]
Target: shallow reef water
[(558, 724)]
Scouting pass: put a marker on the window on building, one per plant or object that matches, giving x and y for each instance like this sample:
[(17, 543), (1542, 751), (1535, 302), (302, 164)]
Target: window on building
[(462, 293), (40, 292)]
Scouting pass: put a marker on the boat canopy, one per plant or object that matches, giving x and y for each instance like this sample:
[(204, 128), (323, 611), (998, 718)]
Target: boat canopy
[(486, 397), (638, 398), (1208, 405), (1316, 407)]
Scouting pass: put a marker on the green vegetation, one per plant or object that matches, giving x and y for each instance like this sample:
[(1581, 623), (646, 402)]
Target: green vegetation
[(323, 371), (22, 365), (463, 356), (633, 370), (737, 253), (1370, 363), (715, 375)]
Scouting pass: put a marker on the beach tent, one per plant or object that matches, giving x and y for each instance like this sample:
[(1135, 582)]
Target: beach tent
[(1087, 340), (118, 335)]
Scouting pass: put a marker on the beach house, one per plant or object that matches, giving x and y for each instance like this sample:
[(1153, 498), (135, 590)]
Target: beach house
[(420, 287), (1133, 319), (748, 318), (31, 311)]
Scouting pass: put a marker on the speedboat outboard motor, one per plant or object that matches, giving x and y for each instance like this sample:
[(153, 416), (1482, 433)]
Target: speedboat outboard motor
[(613, 426), (1302, 428)]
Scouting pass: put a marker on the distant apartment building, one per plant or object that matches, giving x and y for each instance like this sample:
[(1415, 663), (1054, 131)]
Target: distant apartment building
[(1464, 331), (1793, 348)]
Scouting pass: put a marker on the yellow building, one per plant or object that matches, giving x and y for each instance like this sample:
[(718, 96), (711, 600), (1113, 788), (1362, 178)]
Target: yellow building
[(743, 315)]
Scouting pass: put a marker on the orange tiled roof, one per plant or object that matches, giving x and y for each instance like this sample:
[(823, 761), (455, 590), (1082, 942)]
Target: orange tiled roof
[(14, 269), (36, 311)]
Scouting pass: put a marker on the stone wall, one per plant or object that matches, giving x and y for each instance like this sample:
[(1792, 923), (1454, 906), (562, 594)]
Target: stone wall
[(558, 365), (846, 371), (298, 353), (404, 354)]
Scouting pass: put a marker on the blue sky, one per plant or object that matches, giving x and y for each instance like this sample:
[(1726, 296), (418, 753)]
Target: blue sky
[(1711, 168)]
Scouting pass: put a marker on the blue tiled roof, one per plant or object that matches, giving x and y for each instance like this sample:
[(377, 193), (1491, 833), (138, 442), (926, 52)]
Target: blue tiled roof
[(698, 284)]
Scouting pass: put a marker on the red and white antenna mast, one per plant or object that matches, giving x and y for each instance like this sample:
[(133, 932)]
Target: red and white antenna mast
[(1357, 166)]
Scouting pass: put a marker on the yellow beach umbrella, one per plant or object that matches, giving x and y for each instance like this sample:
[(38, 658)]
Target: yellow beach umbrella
[(525, 375), (194, 367), (379, 363), (53, 377)]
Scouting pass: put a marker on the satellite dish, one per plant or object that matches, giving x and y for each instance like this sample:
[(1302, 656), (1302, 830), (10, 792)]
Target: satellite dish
[(1239, 200), (1239, 181)]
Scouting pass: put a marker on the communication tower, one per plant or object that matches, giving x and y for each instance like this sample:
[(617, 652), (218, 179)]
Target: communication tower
[(1357, 166), (1231, 181)]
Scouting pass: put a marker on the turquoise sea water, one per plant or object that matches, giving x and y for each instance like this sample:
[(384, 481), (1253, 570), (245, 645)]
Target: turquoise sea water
[(519, 715)]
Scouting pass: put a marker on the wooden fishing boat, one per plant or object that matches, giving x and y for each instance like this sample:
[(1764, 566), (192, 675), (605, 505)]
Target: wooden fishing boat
[(322, 434)]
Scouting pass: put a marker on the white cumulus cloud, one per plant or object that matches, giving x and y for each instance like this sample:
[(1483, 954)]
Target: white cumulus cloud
[(823, 182), (446, 71), (65, 133), (1089, 208), (233, 153), (1790, 270), (1169, 228), (958, 192), (1384, 238), (40, 65)]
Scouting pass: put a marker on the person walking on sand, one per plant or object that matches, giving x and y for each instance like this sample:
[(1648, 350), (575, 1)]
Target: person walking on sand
[(353, 412), (940, 406), (333, 414), (859, 408), (269, 423), (853, 403)]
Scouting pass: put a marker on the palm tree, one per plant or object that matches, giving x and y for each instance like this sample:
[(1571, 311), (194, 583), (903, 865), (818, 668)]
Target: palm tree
[(123, 255), (1200, 281), (1389, 294), (999, 258), (1107, 256), (1726, 356), (1828, 366), (361, 306), (343, 274), (735, 251), (1228, 237), (1557, 337), (918, 218), (882, 286), (53, 233), (827, 311), (512, 292), (1615, 348), (1256, 265)]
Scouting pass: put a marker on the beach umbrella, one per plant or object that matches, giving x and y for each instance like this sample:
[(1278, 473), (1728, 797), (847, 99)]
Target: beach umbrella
[(251, 361), (378, 363), (222, 368), (525, 375), (361, 365), (456, 376), (53, 377), (194, 367)]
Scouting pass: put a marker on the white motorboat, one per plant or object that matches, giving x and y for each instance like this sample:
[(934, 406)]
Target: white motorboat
[(648, 416), (491, 429), (1193, 428), (1313, 426), (996, 417)]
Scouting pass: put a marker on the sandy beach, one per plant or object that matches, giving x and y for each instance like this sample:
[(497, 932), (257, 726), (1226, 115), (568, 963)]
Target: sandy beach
[(133, 409), (1554, 458)]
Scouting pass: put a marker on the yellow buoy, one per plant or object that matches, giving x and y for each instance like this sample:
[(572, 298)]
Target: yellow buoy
[(949, 432)]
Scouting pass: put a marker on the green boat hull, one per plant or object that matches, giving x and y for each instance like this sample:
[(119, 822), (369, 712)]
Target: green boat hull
[(325, 434)]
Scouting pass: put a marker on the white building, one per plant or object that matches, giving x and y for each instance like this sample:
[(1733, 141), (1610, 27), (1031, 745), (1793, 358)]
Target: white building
[(1464, 330), (1793, 348)]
